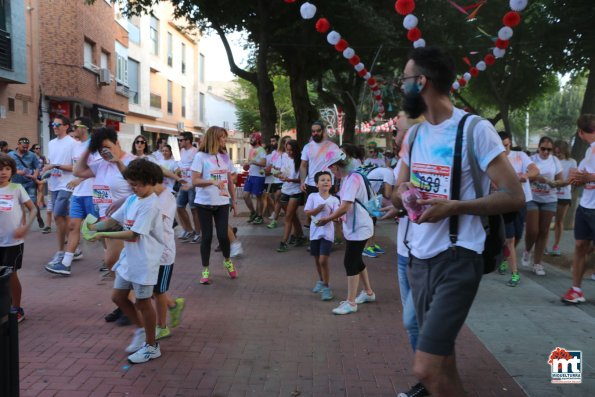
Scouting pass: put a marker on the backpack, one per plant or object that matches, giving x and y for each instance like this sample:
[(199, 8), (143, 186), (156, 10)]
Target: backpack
[(374, 203), (493, 225)]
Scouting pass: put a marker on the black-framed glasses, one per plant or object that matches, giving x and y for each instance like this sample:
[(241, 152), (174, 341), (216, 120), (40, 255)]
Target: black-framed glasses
[(402, 78), (546, 149), (143, 142), (56, 125)]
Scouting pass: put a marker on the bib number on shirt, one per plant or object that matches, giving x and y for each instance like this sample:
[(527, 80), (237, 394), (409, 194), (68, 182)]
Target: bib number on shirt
[(128, 224), (540, 188), (6, 202), (101, 194), (433, 181), (56, 173)]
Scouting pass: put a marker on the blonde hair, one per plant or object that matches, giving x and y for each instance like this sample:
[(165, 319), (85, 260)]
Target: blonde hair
[(210, 142)]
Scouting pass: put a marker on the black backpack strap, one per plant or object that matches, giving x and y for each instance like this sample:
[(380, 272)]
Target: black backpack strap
[(455, 183), (475, 172)]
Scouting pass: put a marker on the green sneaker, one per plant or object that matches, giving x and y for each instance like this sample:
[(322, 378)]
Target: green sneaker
[(175, 313), (161, 333), (503, 268), (283, 247), (230, 269), (515, 279), (258, 220), (303, 240), (252, 217), (205, 276), (272, 225)]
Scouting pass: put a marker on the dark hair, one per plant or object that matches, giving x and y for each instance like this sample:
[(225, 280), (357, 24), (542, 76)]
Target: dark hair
[(269, 148), (65, 120), (187, 136), (7, 161), (101, 134), (437, 65), (545, 139), (353, 151), (586, 122), (276, 137), (161, 140), (504, 135), (3, 143), (143, 171), (564, 148), (319, 123), (297, 153), (168, 146), (145, 150), (321, 173), (86, 121)]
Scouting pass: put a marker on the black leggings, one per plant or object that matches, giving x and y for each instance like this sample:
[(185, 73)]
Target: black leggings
[(206, 214), (353, 262)]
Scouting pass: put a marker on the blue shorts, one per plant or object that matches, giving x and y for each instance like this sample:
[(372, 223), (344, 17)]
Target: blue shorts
[(549, 207), (31, 189), (515, 227), (254, 185), (186, 197), (81, 206), (320, 247), (584, 224), (61, 202)]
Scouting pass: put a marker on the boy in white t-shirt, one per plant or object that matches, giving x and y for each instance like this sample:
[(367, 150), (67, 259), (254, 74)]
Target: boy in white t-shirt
[(322, 204), (138, 265)]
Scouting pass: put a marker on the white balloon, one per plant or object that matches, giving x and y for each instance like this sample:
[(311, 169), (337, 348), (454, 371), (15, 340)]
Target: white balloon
[(367, 76), (308, 10), (377, 92), (518, 5), (505, 33), (467, 76), (410, 22), (333, 37), (348, 53), (498, 52), (359, 67), (481, 66), (456, 85), (419, 43)]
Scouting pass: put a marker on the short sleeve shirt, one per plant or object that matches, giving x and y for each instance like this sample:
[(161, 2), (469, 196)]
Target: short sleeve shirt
[(548, 168), (12, 196), (357, 225), (109, 184), (256, 154), (277, 163), (379, 176), (27, 162), (216, 168), (61, 152), (85, 188), (520, 163), (331, 203), (318, 156), (288, 170), (166, 202), (171, 166), (186, 159), (588, 165), (565, 193)]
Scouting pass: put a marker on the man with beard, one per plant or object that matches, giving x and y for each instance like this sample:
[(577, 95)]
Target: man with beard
[(27, 171), (315, 159), (445, 268), (255, 183)]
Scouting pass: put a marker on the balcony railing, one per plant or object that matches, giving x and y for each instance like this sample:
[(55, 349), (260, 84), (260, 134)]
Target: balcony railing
[(5, 50)]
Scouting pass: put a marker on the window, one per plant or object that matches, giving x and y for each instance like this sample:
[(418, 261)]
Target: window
[(25, 107), (133, 76), (11, 104), (121, 69), (183, 101), (154, 35), (156, 101), (183, 58), (170, 49), (201, 113), (170, 101), (134, 29), (88, 50), (201, 67), (104, 60)]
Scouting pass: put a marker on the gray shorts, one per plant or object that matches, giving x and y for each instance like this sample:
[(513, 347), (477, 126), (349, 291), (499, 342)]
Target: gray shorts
[(443, 289), (140, 291), (61, 202)]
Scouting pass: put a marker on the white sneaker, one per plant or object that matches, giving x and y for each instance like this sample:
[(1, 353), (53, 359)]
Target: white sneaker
[(526, 259), (345, 308), (145, 353), (138, 341), (57, 258), (538, 269), (363, 297), (236, 249), (78, 254)]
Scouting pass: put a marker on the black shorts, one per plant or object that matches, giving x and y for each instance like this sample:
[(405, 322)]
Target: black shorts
[(353, 262), (163, 279), (272, 187), (564, 201), (584, 224), (12, 256), (286, 197), (515, 227), (321, 247)]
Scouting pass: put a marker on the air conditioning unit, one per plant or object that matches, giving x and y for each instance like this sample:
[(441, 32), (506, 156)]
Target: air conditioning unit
[(105, 77), (180, 126), (123, 90)]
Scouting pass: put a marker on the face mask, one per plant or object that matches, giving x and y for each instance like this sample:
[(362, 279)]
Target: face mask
[(412, 103)]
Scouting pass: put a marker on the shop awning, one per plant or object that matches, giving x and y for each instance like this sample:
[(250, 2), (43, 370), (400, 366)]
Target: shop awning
[(160, 129)]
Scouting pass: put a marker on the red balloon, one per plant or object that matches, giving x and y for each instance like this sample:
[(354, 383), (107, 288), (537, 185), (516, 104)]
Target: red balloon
[(414, 34), (341, 45), (502, 44), (474, 71), (371, 81), (354, 60), (462, 82), (489, 59), (404, 7), (322, 25), (362, 72), (511, 19)]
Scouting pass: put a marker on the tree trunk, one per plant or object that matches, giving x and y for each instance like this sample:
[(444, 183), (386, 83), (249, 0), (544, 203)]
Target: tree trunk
[(349, 118), (265, 87), (303, 110)]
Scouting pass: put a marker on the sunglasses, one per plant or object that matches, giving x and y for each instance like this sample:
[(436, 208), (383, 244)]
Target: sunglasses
[(546, 149), (143, 142), (56, 125), (80, 126), (24, 142)]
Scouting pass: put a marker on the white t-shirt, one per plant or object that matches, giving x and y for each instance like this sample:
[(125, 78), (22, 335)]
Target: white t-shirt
[(140, 259), (520, 163), (588, 164), (166, 202), (61, 151), (109, 185), (357, 225), (565, 193), (318, 156), (256, 154), (12, 196), (549, 168), (269, 178), (402, 227), (277, 162), (431, 171), (158, 155), (171, 165), (217, 168), (331, 204), (186, 159), (288, 170), (85, 188), (379, 176), (378, 161)]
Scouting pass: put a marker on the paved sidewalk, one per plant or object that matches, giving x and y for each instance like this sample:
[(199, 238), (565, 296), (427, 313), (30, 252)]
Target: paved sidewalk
[(262, 334)]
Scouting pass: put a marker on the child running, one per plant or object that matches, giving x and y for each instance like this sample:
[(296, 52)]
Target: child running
[(138, 265), (13, 198), (322, 204)]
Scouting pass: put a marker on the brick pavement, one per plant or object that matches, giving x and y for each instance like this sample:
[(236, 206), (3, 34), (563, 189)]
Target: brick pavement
[(262, 334)]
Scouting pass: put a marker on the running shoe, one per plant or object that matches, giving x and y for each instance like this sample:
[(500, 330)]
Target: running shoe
[(138, 340), (19, 312), (291, 240), (252, 217), (572, 296), (184, 235), (345, 308), (46, 230), (538, 269), (526, 259), (378, 249), (144, 354), (272, 225), (57, 258), (162, 333), (283, 247), (236, 249), (318, 287), (416, 391), (369, 252), (503, 268), (303, 240), (555, 251), (196, 239), (363, 297), (78, 254), (258, 220), (326, 294), (204, 279), (515, 279), (175, 313), (58, 268), (188, 238), (230, 269), (113, 316), (123, 321), (338, 241)]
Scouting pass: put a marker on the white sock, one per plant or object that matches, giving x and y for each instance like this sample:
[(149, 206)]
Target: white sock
[(577, 289), (67, 261)]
